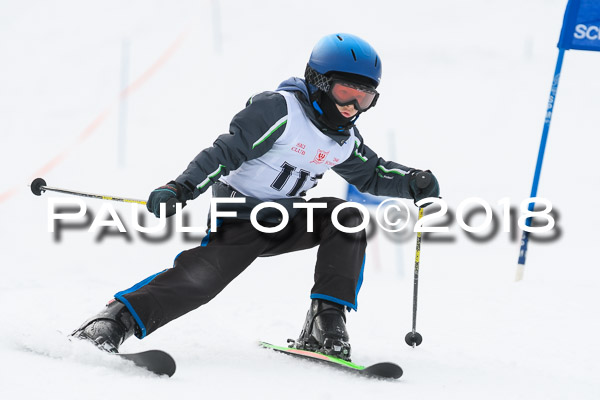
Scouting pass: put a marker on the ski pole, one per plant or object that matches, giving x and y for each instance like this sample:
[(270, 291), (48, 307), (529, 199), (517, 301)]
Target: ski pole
[(414, 338), (38, 186)]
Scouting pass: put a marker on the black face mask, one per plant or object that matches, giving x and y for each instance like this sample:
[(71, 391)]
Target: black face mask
[(331, 117)]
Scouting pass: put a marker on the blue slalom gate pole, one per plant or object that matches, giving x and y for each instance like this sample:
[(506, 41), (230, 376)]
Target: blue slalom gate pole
[(540, 159)]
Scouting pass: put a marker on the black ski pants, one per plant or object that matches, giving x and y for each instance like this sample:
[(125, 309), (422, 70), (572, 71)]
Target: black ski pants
[(199, 274)]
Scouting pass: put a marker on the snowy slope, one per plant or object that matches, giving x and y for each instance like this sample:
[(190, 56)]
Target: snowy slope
[(464, 90)]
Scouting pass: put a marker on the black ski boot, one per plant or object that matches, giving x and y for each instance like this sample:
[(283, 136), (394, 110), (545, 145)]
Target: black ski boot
[(109, 328), (324, 330)]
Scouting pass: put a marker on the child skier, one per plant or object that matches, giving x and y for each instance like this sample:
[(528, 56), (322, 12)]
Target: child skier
[(277, 148)]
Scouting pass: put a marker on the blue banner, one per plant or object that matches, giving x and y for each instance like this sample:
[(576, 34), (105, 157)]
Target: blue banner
[(581, 26)]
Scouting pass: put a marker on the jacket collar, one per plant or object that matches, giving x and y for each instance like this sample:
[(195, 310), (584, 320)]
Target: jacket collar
[(300, 89)]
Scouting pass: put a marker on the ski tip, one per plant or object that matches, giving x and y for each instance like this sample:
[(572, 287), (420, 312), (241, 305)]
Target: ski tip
[(156, 361), (384, 370)]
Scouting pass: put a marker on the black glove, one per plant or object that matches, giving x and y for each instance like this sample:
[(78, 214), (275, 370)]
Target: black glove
[(432, 189), (171, 193)]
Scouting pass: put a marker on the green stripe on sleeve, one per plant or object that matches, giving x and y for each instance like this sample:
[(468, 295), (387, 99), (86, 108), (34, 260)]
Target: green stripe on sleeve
[(210, 176), (277, 125), (391, 171)]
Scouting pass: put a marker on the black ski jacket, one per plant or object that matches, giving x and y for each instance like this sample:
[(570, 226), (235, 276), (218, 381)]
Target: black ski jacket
[(363, 169)]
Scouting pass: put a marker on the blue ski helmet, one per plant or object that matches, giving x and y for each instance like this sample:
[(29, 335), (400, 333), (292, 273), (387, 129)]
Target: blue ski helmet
[(346, 53)]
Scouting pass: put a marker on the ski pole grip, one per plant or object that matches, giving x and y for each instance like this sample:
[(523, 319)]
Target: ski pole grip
[(170, 206), (423, 179)]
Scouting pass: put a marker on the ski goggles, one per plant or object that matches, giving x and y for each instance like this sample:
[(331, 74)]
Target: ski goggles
[(346, 93)]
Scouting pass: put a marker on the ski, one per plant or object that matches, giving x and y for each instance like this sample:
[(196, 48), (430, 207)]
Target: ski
[(379, 370), (155, 361)]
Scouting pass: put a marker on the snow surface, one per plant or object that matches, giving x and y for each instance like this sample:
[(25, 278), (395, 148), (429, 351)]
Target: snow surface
[(464, 90)]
